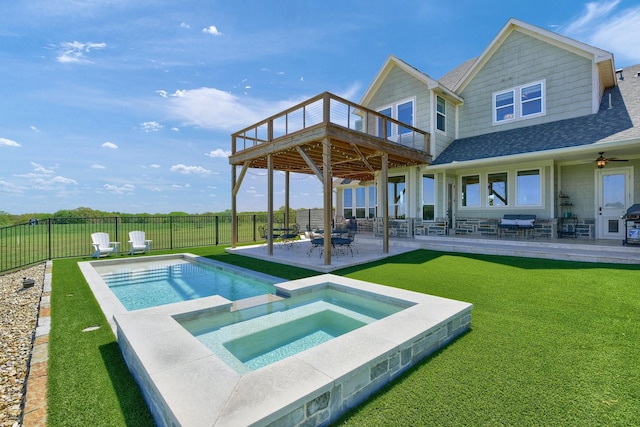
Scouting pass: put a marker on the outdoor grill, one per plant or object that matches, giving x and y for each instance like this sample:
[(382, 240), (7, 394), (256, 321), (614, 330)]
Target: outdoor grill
[(631, 220)]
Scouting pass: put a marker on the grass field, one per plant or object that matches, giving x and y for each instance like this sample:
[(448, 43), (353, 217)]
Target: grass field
[(552, 343)]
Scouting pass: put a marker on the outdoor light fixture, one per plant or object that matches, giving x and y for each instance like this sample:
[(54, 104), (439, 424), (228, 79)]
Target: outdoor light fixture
[(601, 162)]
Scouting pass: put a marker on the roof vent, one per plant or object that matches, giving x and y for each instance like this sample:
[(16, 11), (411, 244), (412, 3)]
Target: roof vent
[(619, 73)]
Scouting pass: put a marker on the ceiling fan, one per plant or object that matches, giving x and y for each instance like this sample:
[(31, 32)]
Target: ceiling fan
[(601, 161)]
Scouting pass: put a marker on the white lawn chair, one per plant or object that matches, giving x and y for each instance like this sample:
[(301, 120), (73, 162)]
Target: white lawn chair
[(103, 246), (138, 243)]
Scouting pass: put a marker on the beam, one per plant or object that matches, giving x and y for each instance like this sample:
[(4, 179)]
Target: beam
[(309, 161), (236, 186)]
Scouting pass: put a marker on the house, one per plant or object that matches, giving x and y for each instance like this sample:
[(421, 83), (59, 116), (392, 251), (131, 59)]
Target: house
[(538, 124)]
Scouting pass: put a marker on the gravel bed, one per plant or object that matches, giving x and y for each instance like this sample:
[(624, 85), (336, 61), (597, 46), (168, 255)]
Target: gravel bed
[(18, 320)]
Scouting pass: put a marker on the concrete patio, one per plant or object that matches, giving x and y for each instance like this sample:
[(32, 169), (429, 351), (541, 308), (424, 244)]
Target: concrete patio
[(368, 248)]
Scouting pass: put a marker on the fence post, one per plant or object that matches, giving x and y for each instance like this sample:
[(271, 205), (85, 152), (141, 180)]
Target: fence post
[(254, 227), (117, 237), (171, 232), (49, 236), (217, 230)]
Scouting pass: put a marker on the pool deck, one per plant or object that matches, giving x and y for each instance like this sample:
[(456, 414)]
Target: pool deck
[(185, 384)]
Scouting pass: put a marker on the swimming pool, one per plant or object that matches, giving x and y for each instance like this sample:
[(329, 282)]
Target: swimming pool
[(150, 283), (255, 337), (135, 284)]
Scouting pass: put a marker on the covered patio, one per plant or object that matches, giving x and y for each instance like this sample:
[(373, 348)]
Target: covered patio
[(329, 137)]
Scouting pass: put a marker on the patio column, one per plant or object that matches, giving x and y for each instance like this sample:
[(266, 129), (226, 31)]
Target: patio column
[(269, 204), (286, 199), (234, 217), (384, 199), (328, 198)]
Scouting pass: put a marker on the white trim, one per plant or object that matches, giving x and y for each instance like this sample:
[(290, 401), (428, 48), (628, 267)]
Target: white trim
[(518, 103)]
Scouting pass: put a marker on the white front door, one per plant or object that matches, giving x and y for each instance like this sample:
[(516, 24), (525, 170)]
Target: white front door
[(613, 197)]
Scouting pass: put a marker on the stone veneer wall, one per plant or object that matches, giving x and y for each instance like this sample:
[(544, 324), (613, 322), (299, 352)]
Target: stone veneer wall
[(353, 389), (544, 228)]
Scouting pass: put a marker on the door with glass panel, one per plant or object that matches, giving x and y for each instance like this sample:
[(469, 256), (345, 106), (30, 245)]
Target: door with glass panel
[(612, 200)]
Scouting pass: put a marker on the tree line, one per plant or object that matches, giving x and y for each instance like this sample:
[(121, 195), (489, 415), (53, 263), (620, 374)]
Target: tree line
[(7, 219)]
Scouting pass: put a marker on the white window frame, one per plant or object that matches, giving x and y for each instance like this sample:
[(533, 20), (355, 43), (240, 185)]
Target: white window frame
[(394, 133), (487, 197), (541, 189), (518, 103), (443, 114), (461, 199)]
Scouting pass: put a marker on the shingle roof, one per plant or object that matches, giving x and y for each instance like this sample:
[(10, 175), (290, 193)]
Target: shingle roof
[(622, 122), (452, 78)]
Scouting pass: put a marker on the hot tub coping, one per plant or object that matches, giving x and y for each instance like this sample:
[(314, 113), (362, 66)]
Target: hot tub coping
[(185, 384)]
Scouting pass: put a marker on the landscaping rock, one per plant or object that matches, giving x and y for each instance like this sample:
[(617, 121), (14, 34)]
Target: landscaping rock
[(19, 308)]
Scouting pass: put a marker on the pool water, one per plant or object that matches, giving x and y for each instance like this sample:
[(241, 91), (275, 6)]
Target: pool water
[(152, 283), (252, 338)]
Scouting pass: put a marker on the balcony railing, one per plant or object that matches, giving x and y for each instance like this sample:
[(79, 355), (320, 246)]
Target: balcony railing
[(328, 108)]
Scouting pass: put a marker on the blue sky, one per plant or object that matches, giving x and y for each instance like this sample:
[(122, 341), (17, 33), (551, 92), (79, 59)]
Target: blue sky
[(128, 106)]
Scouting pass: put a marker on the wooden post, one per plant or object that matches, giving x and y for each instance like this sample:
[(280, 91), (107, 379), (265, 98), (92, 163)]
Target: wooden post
[(234, 215), (328, 198), (269, 229), (286, 199), (384, 199)]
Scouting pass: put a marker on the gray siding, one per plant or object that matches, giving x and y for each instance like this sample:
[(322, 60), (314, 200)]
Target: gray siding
[(522, 59), (398, 86)]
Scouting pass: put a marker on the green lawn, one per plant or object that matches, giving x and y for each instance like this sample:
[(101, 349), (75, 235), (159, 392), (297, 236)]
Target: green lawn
[(552, 343)]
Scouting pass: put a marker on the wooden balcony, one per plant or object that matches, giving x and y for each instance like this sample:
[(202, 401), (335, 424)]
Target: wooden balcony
[(294, 140)]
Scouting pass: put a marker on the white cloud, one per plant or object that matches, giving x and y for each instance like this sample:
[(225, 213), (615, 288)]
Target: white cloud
[(212, 30), (603, 24), (4, 142), (63, 180), (110, 145), (33, 128), (97, 166), (162, 93), (152, 126), (74, 52), (184, 25), (211, 108), (154, 166), (126, 188), (218, 152), (184, 169), (39, 168), (8, 187)]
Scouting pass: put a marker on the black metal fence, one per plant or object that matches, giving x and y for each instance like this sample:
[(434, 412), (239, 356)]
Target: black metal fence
[(37, 241)]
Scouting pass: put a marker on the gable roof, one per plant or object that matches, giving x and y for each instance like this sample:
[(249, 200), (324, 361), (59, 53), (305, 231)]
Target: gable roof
[(618, 124), (602, 58), (394, 61)]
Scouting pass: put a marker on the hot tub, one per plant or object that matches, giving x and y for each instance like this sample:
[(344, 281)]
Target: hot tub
[(186, 383)]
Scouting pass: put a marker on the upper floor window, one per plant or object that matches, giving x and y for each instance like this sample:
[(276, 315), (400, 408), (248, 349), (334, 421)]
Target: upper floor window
[(403, 112), (519, 103), (441, 114)]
